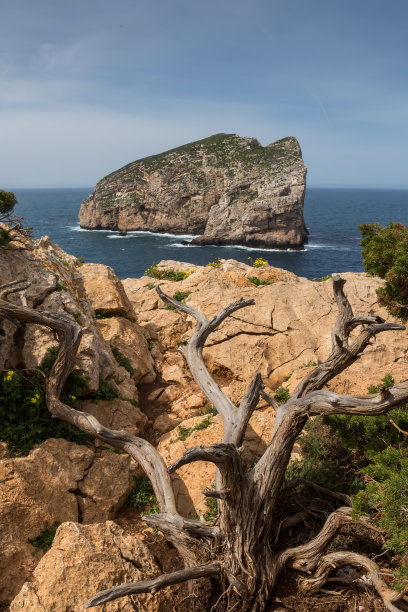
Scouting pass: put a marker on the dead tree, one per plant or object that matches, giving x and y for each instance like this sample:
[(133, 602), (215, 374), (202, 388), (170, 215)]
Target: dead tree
[(239, 551)]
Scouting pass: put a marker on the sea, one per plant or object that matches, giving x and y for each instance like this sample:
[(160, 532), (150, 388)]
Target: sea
[(332, 218)]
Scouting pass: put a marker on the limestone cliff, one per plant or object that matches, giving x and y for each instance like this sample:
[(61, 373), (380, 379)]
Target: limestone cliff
[(227, 188)]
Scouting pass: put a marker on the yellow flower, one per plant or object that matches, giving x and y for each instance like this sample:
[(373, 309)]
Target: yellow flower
[(72, 397), (7, 377), (35, 398)]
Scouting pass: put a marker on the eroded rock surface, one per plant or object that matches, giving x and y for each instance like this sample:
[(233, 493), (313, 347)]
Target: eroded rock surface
[(85, 559), (59, 481), (227, 188)]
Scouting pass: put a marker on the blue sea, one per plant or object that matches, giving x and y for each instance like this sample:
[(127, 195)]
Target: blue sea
[(332, 218)]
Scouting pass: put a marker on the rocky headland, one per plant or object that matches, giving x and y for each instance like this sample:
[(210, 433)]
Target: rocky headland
[(131, 342), (227, 189)]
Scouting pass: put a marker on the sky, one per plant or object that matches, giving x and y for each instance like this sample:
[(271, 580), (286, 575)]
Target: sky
[(89, 85)]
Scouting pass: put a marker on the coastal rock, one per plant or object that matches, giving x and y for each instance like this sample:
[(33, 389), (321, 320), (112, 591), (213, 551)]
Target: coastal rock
[(56, 286), (85, 560), (288, 329), (58, 481), (227, 188), (105, 290)]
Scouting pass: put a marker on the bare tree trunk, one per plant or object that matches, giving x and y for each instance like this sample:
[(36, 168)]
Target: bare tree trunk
[(241, 549)]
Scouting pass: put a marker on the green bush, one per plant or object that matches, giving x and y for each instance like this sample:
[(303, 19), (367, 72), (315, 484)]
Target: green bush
[(324, 460), (169, 274), (141, 494), (258, 282), (385, 497), (25, 420), (181, 296), (282, 395), (7, 201), (105, 391), (4, 237), (385, 254)]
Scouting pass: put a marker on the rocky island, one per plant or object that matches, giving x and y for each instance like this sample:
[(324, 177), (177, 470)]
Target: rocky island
[(225, 189)]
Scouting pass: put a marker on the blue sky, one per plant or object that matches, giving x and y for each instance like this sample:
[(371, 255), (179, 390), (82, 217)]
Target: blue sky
[(90, 85)]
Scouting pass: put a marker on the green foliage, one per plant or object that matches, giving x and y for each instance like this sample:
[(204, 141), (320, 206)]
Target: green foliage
[(376, 432), (209, 409), (44, 539), (151, 286), (401, 578), (185, 432), (282, 395), (324, 459), (122, 361), (64, 263), (103, 314), (105, 391), (170, 307), (257, 281), (60, 287), (25, 420), (5, 237), (7, 201), (385, 497), (141, 494), (212, 506), (385, 254), (181, 296), (169, 274), (386, 383)]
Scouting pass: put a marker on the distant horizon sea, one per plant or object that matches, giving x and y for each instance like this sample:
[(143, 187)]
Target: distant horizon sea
[(332, 217)]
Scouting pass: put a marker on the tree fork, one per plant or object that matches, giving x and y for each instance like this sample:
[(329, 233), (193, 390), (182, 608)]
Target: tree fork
[(239, 550)]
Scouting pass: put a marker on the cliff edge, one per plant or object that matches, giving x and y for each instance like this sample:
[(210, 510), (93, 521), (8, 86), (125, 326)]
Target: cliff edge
[(226, 188)]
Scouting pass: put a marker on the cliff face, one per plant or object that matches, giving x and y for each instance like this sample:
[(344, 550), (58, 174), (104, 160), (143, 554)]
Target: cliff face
[(227, 188)]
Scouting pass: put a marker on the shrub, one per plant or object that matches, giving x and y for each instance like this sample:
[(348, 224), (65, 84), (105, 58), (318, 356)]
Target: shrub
[(385, 254), (185, 432), (169, 274), (25, 420), (282, 395), (141, 493), (321, 279), (257, 281), (7, 201), (181, 296), (105, 391), (4, 237)]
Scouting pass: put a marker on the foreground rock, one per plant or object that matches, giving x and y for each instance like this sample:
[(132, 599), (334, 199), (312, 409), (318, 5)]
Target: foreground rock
[(230, 189), (84, 560), (287, 330), (57, 482)]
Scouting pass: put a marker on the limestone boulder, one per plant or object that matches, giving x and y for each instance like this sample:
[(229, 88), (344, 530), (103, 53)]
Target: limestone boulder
[(288, 327), (59, 481), (84, 560), (116, 414), (105, 290), (128, 338)]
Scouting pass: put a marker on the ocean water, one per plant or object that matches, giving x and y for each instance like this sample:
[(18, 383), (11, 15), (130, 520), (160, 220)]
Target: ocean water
[(332, 217)]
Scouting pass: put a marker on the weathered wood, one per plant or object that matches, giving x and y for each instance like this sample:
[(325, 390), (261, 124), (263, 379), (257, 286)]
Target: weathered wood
[(239, 550), (152, 586)]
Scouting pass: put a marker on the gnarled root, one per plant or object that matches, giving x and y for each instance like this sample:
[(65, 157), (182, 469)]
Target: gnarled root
[(338, 559)]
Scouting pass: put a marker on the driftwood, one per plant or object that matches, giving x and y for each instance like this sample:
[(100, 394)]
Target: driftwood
[(239, 550)]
